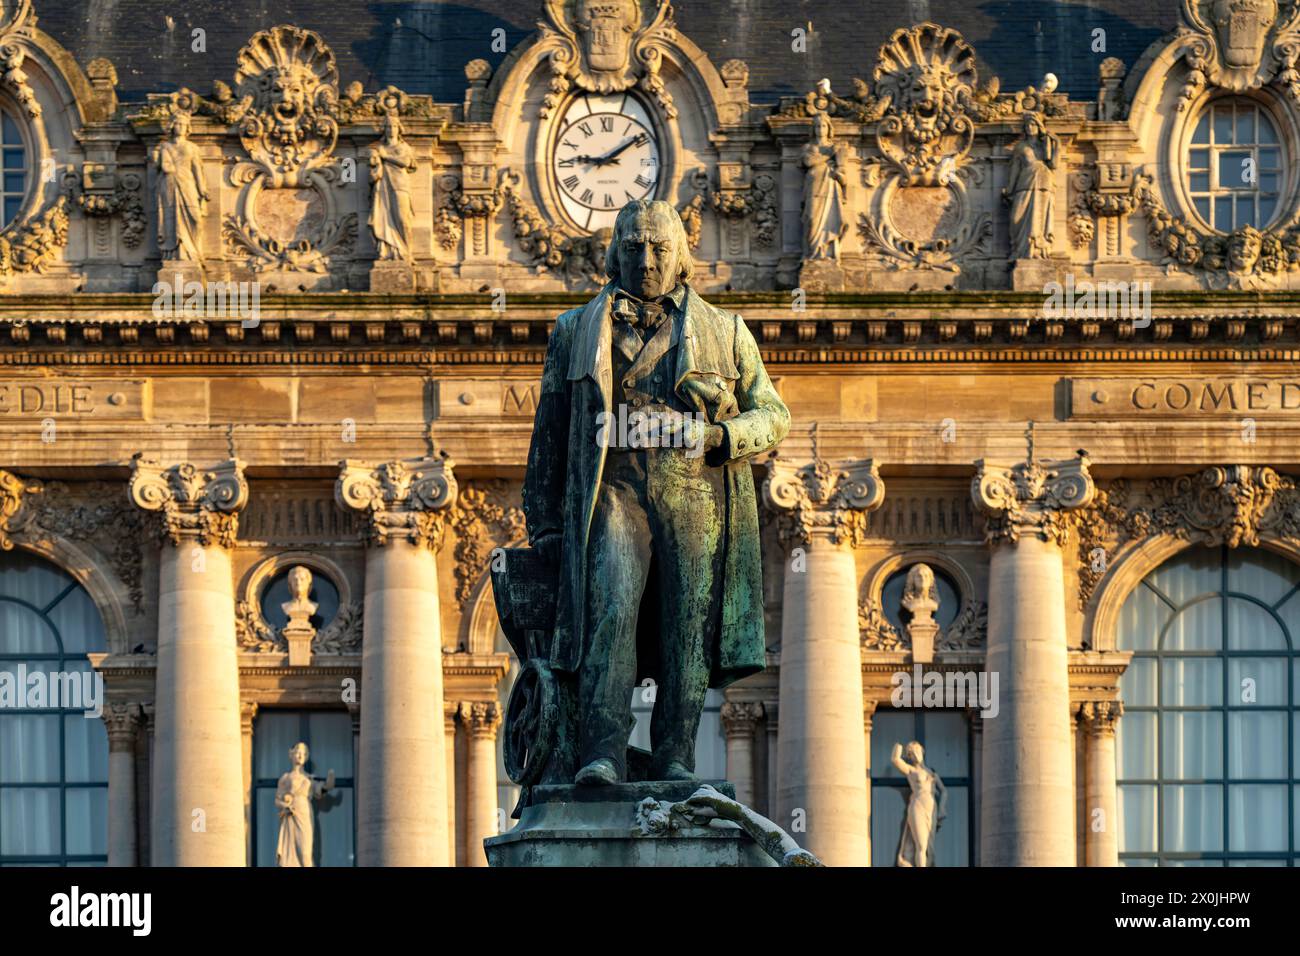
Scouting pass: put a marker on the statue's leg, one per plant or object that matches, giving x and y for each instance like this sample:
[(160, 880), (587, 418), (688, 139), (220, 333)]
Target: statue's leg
[(686, 522), (618, 563)]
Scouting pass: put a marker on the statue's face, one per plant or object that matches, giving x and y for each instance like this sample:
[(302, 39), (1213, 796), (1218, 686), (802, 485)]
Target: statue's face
[(926, 97), (288, 94), (298, 754), (647, 257), (914, 753)]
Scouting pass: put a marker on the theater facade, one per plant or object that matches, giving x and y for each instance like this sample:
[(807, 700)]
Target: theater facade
[(290, 313)]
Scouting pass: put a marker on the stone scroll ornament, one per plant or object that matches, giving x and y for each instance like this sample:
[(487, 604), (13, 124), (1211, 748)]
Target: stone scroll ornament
[(287, 216), (606, 46), (193, 504), (1239, 45)]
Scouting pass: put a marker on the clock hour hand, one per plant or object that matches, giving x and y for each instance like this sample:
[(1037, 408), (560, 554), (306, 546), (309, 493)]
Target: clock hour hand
[(610, 157)]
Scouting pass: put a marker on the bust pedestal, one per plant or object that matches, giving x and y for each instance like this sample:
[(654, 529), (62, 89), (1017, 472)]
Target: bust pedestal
[(571, 825)]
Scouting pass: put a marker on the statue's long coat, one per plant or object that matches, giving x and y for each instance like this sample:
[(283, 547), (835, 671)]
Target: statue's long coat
[(565, 462)]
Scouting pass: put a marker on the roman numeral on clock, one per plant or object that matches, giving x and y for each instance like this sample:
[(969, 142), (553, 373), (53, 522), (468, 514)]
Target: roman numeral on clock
[(566, 162), (570, 145), (571, 182), (609, 201), (643, 182), (586, 196), (586, 129), (607, 124)]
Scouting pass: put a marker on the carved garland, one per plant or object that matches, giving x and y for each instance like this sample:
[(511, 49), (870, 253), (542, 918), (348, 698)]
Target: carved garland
[(968, 630), (484, 517)]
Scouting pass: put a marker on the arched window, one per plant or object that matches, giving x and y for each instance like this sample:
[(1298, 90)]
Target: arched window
[(53, 759), (1209, 742), (1234, 165), (13, 152)]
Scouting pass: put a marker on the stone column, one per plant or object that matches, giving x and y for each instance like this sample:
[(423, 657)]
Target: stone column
[(821, 773), (449, 709), (1027, 805), (1100, 817), (868, 712), (198, 811), (402, 777), (481, 719), (247, 714), (739, 720), (123, 722), (771, 708)]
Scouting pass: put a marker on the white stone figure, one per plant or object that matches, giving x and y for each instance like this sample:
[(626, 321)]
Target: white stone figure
[(392, 216), (293, 795), (825, 218), (922, 819), (181, 201), (299, 632), (921, 598), (1031, 190)]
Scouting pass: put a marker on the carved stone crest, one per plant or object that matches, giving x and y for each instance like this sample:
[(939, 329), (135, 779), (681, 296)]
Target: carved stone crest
[(606, 46), (1239, 45)]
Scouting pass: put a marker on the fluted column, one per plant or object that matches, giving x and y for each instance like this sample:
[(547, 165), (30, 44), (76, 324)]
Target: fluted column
[(739, 720), (248, 714), (820, 766), (123, 722), (1100, 814), (198, 810), (449, 710), (402, 779), (1028, 805), (481, 719)]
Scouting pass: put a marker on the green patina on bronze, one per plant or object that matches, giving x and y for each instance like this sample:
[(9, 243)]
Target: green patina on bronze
[(648, 556)]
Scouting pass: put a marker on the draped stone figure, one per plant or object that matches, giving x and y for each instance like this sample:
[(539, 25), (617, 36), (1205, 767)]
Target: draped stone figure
[(825, 219), (1031, 190), (181, 200), (293, 796), (921, 822), (392, 160)]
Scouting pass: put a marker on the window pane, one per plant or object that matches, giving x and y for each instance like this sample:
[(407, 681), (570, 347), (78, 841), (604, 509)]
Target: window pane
[(1199, 159), (1199, 628), (334, 828), (1141, 619), (1260, 678), (1193, 573), (268, 826), (15, 182), (1191, 745), (1223, 213), (952, 841), (1232, 170), (1202, 132), (29, 822), (946, 744), (1257, 745), (889, 727), (23, 631), (1137, 686), (274, 734), (329, 739), (1270, 159), (77, 620), (1268, 182), (14, 159), (1135, 738), (1193, 818), (1137, 810), (1246, 211), (29, 748), (1192, 682), (1223, 124), (1203, 208), (887, 808), (85, 752), (1245, 126), (1255, 814), (1267, 132), (1251, 628), (87, 821), (1267, 206), (29, 579), (11, 131), (1199, 182)]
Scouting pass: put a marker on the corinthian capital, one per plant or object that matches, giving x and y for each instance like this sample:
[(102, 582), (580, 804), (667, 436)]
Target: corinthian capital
[(194, 505), (1032, 498), (405, 499), (122, 720), (481, 718), (14, 492), (821, 501), (739, 717), (1100, 716)]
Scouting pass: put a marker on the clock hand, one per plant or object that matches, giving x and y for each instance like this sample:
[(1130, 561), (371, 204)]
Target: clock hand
[(610, 156)]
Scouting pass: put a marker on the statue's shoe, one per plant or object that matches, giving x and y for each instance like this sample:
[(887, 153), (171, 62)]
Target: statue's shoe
[(600, 772), (676, 771)]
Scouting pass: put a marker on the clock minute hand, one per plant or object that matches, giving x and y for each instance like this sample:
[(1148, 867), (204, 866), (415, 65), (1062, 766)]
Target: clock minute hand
[(609, 157)]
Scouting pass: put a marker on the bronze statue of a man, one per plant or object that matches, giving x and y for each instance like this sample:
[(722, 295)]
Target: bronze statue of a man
[(654, 527)]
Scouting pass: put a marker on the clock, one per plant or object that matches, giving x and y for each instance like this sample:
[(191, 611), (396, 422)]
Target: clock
[(604, 155)]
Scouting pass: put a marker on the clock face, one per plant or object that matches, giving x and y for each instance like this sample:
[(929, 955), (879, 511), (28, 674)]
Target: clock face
[(605, 154)]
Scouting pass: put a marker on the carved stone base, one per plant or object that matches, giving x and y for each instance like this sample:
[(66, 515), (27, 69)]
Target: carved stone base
[(1031, 275), (821, 275), (569, 825), (174, 271), (392, 277)]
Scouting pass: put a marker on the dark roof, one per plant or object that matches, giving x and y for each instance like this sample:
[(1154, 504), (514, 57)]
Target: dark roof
[(422, 45)]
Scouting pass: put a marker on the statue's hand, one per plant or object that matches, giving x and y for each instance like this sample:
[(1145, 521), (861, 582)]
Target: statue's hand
[(708, 798)]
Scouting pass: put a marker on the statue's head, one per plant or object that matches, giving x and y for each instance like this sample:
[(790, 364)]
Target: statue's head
[(1031, 124), (823, 131), (392, 128), (915, 753), (180, 126), (299, 583), (298, 754), (649, 253)]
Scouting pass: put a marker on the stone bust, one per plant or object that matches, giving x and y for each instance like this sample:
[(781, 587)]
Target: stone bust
[(655, 534)]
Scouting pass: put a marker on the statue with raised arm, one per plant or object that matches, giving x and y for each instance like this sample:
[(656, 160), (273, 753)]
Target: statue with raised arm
[(293, 796), (922, 819), (181, 200)]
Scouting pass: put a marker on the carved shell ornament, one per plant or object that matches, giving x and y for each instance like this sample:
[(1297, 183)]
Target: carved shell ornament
[(606, 46)]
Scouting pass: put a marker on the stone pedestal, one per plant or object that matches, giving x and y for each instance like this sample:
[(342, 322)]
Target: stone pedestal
[(392, 277), (1028, 800), (402, 777), (569, 825), (198, 804), (821, 767)]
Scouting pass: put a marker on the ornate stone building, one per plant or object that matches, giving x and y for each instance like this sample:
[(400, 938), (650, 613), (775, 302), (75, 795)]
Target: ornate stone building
[(263, 307)]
